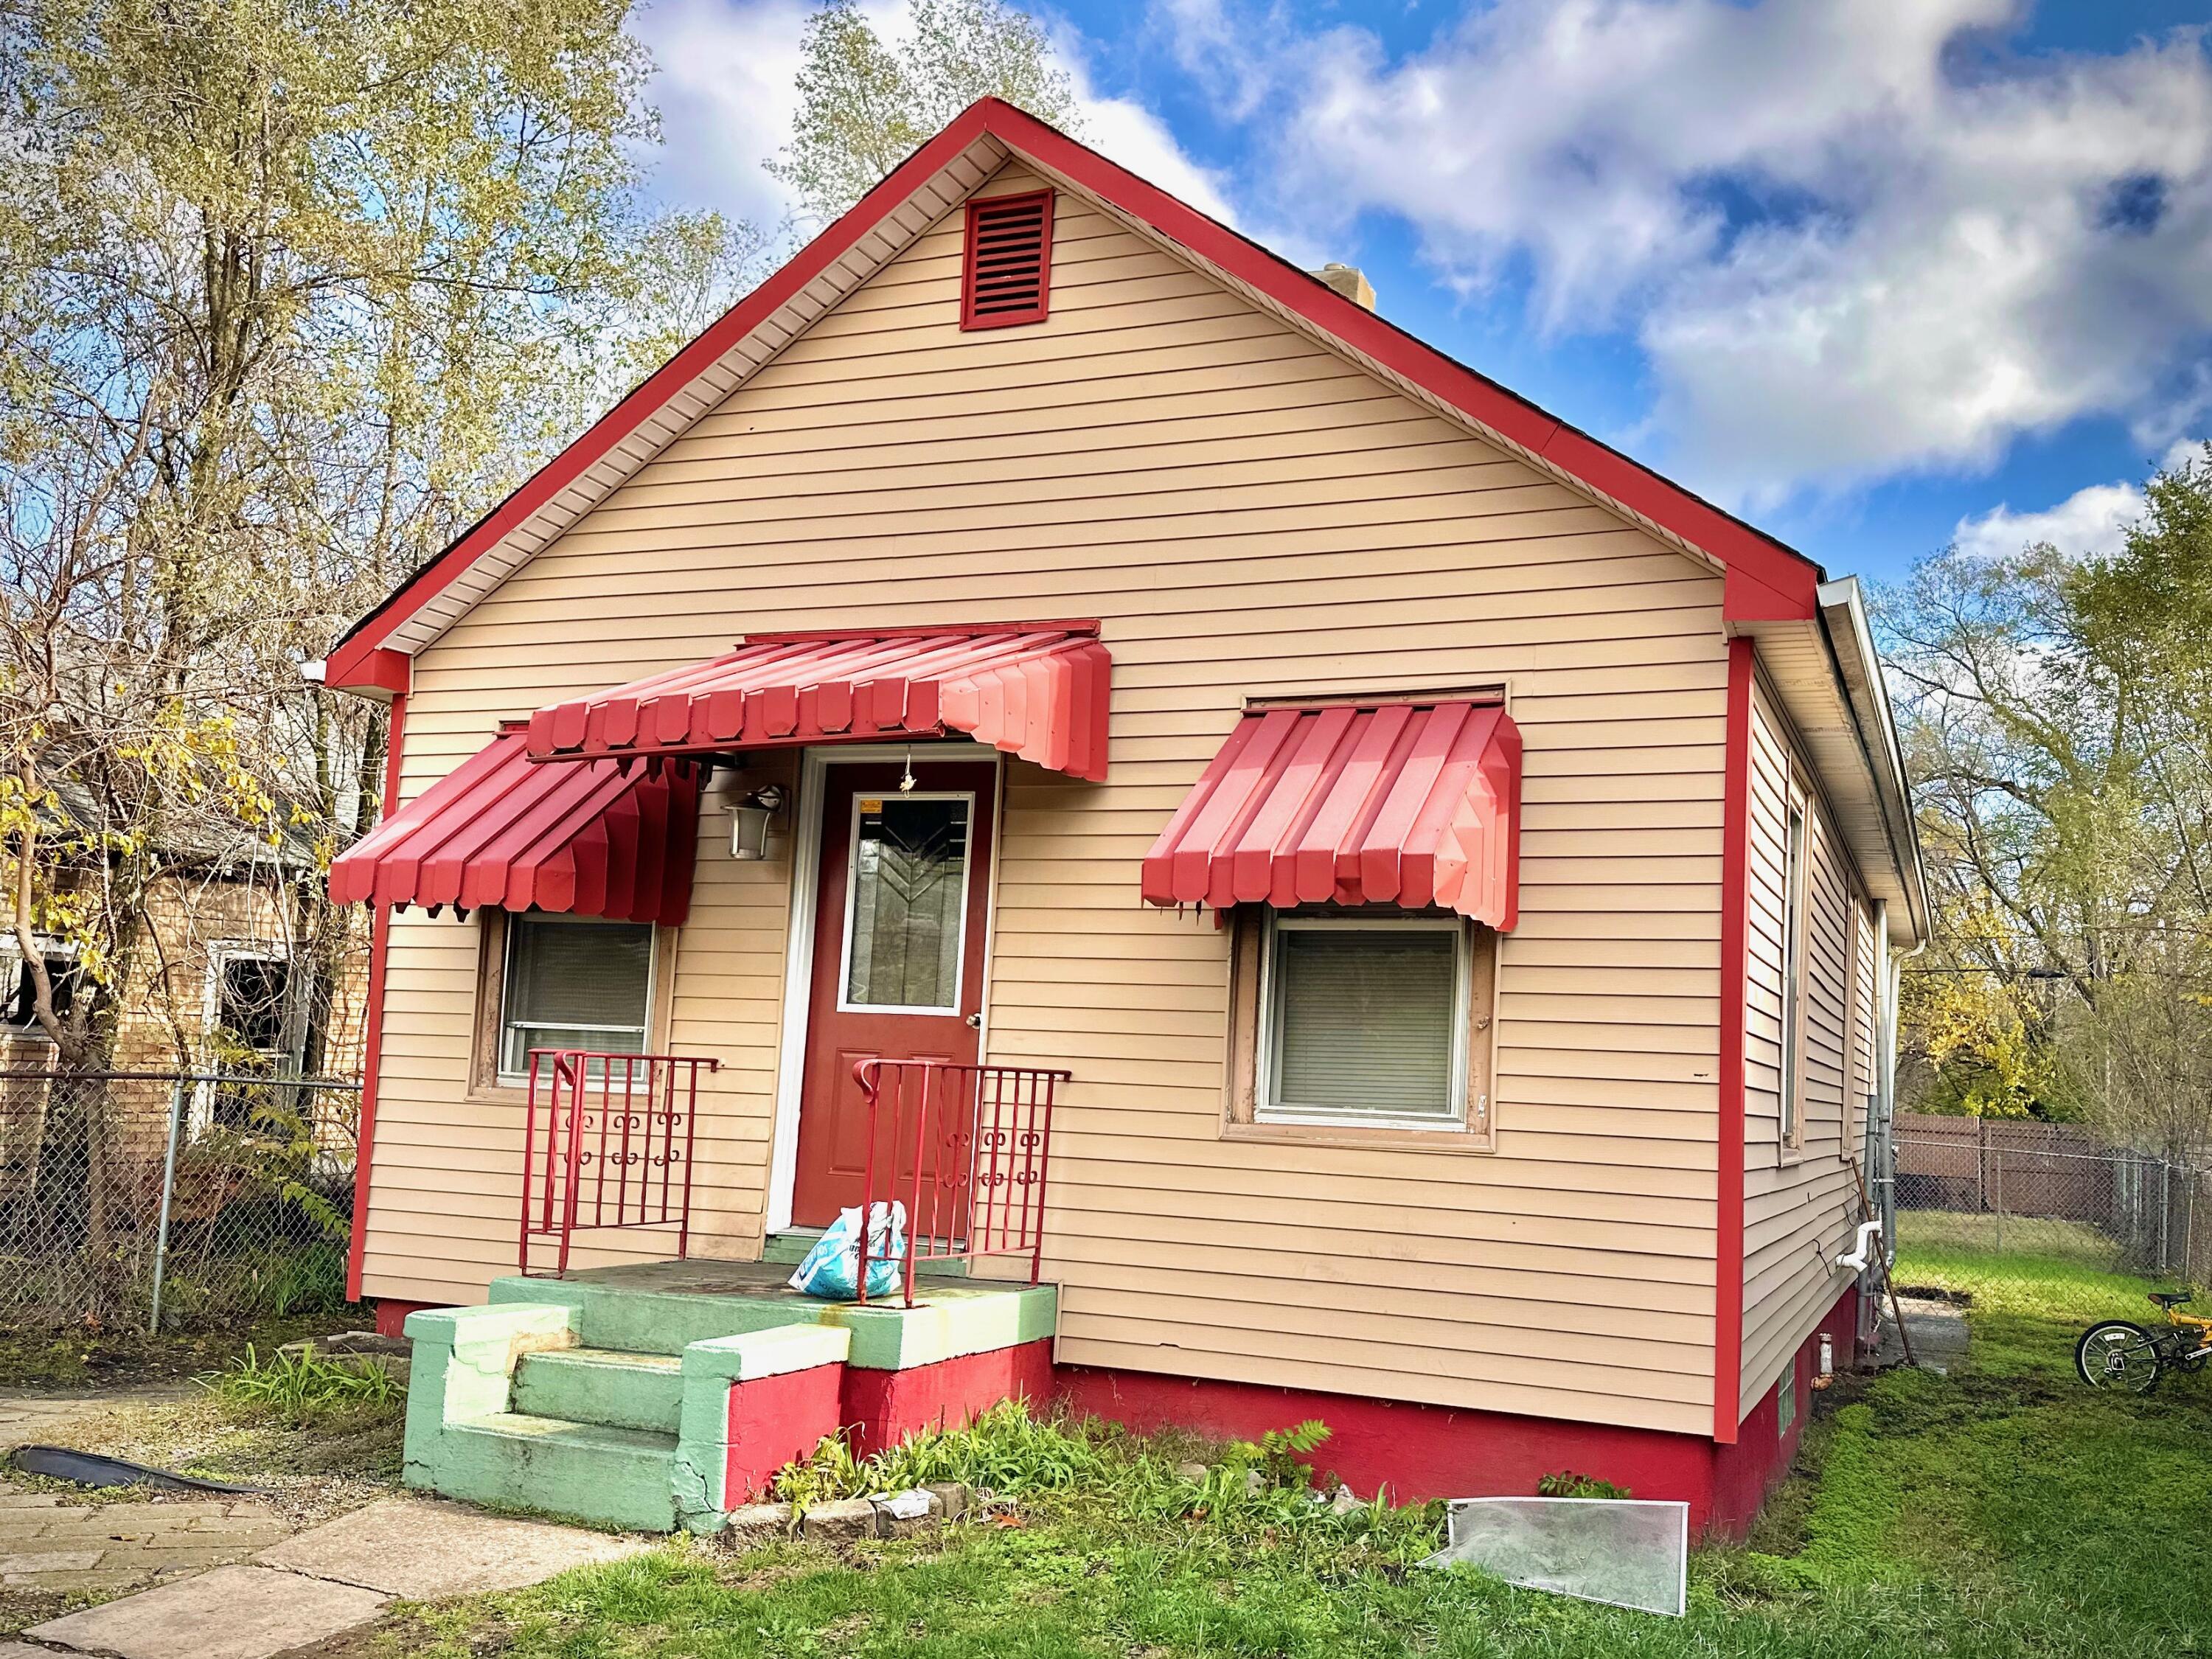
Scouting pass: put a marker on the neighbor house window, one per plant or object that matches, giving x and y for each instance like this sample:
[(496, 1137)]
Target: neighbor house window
[(1793, 975), (19, 994), (249, 989), (1363, 1021), (573, 982)]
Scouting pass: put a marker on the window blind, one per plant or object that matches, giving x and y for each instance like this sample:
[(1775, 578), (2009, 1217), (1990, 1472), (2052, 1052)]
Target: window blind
[(1364, 1021), (575, 985)]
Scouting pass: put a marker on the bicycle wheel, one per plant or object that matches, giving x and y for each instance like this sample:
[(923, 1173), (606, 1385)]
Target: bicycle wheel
[(2117, 1355)]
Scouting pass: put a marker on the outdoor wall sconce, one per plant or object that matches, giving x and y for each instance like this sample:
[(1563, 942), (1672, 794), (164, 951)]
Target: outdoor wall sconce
[(749, 822)]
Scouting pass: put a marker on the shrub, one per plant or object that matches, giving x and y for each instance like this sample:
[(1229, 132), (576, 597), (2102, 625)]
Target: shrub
[(298, 1387)]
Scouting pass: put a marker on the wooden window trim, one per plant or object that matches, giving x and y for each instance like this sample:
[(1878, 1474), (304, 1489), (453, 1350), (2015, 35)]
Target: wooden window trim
[(485, 1084), (1476, 1133)]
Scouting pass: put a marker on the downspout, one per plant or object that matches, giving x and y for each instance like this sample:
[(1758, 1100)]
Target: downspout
[(1728, 1183)]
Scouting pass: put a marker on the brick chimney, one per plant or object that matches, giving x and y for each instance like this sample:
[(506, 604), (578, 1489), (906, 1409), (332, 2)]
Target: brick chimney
[(1349, 281)]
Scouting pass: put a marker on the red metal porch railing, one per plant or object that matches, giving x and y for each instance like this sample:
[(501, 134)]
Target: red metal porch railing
[(607, 1143), (968, 1148)]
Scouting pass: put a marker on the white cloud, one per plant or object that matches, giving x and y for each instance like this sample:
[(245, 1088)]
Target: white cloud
[(727, 96), (2090, 520), (1853, 237), (727, 99)]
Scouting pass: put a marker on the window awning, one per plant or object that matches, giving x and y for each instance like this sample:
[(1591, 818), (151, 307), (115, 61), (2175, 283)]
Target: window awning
[(1409, 803), (1036, 691), (598, 839)]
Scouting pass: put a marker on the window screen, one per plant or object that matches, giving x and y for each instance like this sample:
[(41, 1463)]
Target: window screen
[(1366, 1017), (574, 985)]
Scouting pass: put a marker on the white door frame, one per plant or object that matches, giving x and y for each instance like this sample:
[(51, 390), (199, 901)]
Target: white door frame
[(799, 942)]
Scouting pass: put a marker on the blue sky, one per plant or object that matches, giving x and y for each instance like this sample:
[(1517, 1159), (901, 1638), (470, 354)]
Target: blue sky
[(1877, 274)]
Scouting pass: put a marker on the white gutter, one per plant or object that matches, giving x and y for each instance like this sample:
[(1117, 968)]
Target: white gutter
[(1852, 641), (312, 671)]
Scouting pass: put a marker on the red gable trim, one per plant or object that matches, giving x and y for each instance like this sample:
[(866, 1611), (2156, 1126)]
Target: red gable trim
[(1767, 580)]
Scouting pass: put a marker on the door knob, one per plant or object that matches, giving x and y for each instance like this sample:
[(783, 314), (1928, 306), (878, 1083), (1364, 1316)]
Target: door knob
[(975, 1020)]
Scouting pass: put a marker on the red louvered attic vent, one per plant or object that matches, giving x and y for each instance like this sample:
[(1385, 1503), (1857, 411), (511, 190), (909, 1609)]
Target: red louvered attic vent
[(1006, 275)]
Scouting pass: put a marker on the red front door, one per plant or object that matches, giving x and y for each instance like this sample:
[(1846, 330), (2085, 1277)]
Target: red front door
[(898, 959)]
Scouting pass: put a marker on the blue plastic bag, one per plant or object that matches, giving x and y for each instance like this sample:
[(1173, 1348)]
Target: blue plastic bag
[(831, 1267)]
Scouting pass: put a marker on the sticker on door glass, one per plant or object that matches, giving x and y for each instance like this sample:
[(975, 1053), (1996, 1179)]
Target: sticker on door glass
[(907, 915)]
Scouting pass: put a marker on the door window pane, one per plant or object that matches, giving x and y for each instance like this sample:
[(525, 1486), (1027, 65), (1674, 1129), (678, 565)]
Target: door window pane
[(574, 985), (1365, 1021), (907, 903)]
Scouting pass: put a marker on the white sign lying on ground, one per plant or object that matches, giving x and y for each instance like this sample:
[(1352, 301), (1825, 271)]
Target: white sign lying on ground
[(1624, 1552)]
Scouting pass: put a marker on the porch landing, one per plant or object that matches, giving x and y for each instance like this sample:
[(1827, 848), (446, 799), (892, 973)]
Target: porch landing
[(661, 1395)]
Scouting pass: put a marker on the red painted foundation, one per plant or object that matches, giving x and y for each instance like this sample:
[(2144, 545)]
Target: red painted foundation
[(774, 1420), (883, 1407), (391, 1316), (1435, 1451)]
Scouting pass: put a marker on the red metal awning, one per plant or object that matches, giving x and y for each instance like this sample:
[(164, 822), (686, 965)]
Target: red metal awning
[(598, 839), (1409, 803), (1036, 690)]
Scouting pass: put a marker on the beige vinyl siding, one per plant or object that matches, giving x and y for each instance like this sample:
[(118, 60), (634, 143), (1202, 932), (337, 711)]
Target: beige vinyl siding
[(1797, 1200), (1247, 515)]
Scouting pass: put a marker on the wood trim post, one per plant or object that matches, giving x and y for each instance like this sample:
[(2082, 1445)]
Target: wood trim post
[(1728, 1183), (379, 947)]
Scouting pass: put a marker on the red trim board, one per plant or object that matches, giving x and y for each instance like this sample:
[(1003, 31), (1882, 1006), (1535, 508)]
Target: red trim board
[(372, 1058), (1767, 581), (1728, 1183)]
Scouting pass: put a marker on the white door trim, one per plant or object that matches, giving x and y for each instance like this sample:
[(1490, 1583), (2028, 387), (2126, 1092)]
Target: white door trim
[(798, 942)]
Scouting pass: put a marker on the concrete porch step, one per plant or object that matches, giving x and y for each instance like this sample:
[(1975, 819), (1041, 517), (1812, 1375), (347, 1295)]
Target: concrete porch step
[(604, 1386), (618, 1477)]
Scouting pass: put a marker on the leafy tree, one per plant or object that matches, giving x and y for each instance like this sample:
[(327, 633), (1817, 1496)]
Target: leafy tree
[(866, 105), (2059, 727), (289, 290)]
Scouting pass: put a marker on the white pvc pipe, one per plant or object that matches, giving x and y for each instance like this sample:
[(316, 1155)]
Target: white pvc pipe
[(1858, 1260)]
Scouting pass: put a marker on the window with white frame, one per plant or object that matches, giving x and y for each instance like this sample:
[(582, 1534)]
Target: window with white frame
[(1793, 975), (573, 982), (1363, 1020)]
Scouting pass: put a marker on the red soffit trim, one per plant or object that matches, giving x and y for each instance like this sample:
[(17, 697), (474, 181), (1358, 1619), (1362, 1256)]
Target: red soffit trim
[(1038, 693), (1414, 804), (1006, 266), (596, 840)]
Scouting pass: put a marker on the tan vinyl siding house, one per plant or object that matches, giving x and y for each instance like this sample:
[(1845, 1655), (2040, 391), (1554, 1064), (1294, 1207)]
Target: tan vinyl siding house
[(1249, 510)]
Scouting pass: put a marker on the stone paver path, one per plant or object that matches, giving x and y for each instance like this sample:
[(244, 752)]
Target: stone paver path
[(47, 1543), (331, 1579), (50, 1543)]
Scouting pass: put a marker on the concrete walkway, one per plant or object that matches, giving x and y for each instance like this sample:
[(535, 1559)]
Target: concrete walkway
[(1939, 1333), (329, 1580)]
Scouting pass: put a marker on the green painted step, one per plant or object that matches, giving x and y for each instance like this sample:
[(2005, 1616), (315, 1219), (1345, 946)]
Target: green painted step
[(633, 1320), (616, 1477), (602, 1386)]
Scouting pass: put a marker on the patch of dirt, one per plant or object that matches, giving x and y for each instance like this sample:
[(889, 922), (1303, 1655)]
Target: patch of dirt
[(92, 1357), (20, 1609), (336, 1463)]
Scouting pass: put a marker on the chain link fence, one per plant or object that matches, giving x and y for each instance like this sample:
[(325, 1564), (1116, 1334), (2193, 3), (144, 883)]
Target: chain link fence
[(1986, 1205), (171, 1201)]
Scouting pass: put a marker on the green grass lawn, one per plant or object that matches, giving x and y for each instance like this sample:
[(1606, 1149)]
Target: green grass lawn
[(2004, 1510)]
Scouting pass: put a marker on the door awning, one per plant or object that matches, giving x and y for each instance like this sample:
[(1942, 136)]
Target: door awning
[(601, 839), (1410, 803), (1038, 691)]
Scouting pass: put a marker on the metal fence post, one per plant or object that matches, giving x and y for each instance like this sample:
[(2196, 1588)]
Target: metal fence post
[(1996, 1168), (168, 1186)]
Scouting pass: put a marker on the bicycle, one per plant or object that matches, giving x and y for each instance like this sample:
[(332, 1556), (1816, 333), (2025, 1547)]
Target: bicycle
[(2118, 1353)]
